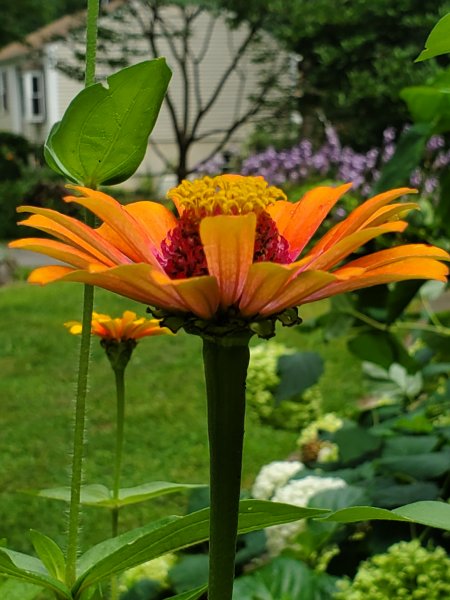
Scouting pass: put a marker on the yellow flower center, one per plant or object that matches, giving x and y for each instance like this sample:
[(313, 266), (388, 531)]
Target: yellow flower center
[(225, 195)]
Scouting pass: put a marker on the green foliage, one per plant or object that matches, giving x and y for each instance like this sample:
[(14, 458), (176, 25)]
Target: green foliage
[(284, 579), (125, 112), (354, 57), (406, 570), (438, 41), (280, 385), (15, 152)]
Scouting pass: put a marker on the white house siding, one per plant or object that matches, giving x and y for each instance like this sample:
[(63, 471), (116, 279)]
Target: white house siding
[(231, 102)]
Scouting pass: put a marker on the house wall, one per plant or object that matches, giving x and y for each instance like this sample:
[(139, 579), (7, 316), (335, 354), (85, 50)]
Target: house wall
[(210, 37)]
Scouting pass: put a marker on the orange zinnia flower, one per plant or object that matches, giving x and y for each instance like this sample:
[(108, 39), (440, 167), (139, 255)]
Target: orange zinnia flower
[(235, 249), (127, 327)]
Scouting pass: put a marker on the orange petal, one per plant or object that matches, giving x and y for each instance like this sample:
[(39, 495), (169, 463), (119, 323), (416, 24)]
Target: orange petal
[(303, 285), (200, 295), (57, 250), (358, 217), (264, 282), (72, 231), (44, 275), (383, 257), (389, 213), (298, 222), (412, 268), (349, 244), (135, 242), (228, 242)]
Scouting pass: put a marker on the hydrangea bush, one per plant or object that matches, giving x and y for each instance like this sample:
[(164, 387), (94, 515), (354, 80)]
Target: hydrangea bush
[(406, 571), (262, 381)]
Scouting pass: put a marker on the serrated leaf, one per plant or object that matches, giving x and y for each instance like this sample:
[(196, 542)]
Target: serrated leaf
[(438, 42), (99, 495), (103, 135), (30, 569), (172, 534), (50, 554)]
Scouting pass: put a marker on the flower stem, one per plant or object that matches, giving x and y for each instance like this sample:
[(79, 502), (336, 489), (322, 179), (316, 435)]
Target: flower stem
[(78, 437), (85, 344), (119, 373), (225, 375)]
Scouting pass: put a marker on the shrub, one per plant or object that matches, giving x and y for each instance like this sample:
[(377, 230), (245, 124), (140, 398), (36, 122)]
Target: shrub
[(406, 571)]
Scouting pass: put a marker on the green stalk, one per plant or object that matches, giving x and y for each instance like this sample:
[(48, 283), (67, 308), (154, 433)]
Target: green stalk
[(78, 437), (83, 365), (225, 375), (119, 373)]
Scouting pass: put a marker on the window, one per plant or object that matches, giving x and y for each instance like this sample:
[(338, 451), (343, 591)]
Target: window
[(3, 92), (34, 96)]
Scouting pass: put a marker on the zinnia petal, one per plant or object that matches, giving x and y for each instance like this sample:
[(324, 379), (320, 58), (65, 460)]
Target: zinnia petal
[(228, 243)]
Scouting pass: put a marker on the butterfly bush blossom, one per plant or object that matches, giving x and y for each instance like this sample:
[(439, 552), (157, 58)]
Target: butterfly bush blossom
[(333, 160)]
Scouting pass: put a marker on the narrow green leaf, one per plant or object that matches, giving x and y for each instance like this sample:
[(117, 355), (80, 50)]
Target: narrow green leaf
[(30, 569), (172, 534), (12, 589), (50, 554), (438, 42), (191, 595), (101, 496), (363, 513), (431, 513), (103, 135)]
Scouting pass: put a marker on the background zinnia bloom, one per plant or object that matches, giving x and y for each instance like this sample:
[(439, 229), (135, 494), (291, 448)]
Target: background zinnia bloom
[(237, 247), (127, 327)]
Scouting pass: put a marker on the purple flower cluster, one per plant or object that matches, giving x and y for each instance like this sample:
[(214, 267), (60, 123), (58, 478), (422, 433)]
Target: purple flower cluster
[(341, 163)]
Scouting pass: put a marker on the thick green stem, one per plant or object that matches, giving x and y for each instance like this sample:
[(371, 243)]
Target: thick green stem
[(78, 438), (225, 374), (83, 368)]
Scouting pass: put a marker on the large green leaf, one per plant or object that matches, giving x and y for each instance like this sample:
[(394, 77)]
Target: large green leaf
[(284, 579), (438, 42), (103, 135), (31, 570), (355, 443), (101, 496), (189, 572), (429, 104), (430, 513), (297, 373), (405, 445), (420, 466), (172, 534)]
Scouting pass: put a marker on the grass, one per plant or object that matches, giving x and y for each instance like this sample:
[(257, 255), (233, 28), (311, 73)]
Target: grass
[(165, 434)]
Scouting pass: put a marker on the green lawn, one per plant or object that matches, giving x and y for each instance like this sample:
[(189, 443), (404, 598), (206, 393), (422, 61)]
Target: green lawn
[(165, 426)]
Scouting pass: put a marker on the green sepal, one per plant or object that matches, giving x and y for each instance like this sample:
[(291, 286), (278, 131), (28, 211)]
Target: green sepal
[(103, 135), (118, 351), (32, 570), (50, 554), (102, 497)]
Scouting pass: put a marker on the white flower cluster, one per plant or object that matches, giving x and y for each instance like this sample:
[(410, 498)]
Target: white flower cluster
[(297, 492), (273, 476)]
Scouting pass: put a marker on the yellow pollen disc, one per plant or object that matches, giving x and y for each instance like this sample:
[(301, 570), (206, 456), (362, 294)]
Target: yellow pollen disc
[(225, 195)]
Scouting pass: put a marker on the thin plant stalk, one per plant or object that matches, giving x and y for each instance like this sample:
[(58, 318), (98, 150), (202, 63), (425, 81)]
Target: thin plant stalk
[(83, 365), (225, 375)]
